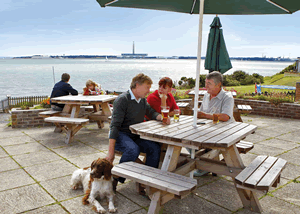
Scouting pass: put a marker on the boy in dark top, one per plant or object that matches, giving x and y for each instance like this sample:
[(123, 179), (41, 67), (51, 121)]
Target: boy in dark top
[(62, 88), (130, 108)]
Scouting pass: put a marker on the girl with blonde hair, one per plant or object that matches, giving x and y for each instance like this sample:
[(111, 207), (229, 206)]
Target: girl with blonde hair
[(92, 88)]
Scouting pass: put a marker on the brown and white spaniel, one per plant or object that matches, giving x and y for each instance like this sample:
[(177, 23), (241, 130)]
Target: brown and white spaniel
[(96, 181)]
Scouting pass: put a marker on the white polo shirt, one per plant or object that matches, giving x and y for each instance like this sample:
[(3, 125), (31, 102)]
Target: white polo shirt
[(223, 103)]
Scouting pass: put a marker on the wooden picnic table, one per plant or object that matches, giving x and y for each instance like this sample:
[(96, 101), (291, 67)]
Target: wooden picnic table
[(221, 138), (72, 109)]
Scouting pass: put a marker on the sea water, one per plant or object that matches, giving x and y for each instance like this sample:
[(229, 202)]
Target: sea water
[(33, 77)]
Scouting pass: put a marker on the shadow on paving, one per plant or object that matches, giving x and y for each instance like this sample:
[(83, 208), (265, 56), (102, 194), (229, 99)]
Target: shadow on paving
[(36, 166)]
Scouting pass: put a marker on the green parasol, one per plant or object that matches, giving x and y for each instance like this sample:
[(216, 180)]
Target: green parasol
[(217, 58)]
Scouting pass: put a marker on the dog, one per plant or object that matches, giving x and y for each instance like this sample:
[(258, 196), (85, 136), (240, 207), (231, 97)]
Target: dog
[(96, 181)]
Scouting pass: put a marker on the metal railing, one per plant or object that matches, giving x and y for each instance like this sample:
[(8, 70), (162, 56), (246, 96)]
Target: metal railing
[(11, 102)]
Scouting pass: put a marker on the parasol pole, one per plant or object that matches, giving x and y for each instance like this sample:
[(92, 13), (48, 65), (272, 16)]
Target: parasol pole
[(201, 9)]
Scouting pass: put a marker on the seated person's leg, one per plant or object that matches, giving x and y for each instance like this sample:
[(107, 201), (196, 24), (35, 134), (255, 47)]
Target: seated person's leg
[(56, 108), (152, 150), (130, 149)]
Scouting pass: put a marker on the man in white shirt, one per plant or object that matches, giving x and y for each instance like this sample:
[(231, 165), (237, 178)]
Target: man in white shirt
[(215, 101)]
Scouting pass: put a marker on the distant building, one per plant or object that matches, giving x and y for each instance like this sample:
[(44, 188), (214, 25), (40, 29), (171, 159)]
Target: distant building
[(298, 65), (133, 54)]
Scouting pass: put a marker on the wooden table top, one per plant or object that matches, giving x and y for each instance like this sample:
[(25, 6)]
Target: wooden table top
[(208, 135), (202, 92), (80, 99)]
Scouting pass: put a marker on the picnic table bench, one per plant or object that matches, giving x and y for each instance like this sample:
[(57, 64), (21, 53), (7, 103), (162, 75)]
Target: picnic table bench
[(161, 186), (183, 107), (69, 125), (49, 113), (241, 109), (71, 121)]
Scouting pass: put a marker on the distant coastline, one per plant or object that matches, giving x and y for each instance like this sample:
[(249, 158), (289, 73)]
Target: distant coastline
[(278, 59)]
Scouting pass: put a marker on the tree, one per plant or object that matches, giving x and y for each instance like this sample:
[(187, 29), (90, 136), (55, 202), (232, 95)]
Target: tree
[(239, 75)]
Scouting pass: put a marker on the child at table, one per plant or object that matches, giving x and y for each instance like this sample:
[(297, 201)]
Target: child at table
[(92, 88)]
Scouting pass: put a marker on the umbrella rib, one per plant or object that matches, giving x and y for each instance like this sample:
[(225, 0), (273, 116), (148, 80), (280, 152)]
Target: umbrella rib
[(193, 6), (113, 1), (277, 5)]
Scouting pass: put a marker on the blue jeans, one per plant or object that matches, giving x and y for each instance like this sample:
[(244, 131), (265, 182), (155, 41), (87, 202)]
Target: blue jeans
[(131, 145)]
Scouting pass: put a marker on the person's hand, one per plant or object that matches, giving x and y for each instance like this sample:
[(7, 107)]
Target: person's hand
[(201, 114), (110, 157), (166, 121)]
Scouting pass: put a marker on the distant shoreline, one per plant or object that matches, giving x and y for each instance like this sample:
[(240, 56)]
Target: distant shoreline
[(107, 57)]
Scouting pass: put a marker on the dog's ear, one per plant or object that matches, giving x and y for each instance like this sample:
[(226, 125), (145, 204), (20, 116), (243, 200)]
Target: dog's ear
[(107, 169), (93, 164)]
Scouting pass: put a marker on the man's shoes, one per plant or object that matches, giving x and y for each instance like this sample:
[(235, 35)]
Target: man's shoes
[(199, 173), (115, 184)]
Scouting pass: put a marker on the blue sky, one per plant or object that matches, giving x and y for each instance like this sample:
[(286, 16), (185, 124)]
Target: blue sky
[(75, 27)]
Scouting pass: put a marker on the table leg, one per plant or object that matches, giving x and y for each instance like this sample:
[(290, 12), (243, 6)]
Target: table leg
[(171, 158), (248, 197), (155, 203), (99, 122)]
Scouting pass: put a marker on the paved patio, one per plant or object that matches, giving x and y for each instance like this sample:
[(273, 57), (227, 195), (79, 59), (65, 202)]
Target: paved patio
[(36, 166)]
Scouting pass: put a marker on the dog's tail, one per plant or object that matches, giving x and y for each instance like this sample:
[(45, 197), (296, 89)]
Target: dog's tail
[(86, 197)]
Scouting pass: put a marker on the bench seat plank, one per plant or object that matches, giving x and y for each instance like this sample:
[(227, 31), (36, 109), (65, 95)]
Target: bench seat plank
[(272, 174), (182, 105), (262, 173), (241, 178), (259, 173), (244, 146), (156, 178), (67, 120), (49, 113)]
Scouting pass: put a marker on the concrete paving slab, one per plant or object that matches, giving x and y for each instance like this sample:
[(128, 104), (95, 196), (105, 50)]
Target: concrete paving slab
[(7, 163), (23, 199), (14, 178), (281, 144), (262, 149), (86, 160), (128, 190), (9, 132), (36, 158), (193, 204), (141, 211), (273, 205), (55, 209), (60, 188), (75, 206), (24, 148), (75, 150), (58, 143), (291, 171), (292, 156), (248, 158), (267, 132), (49, 136), (224, 194), (15, 140), (294, 137), (58, 168), (289, 193), (124, 205), (100, 143), (3, 153), (255, 138)]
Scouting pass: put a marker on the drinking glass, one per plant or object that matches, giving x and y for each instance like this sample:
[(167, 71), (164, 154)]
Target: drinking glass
[(176, 115), (165, 112), (215, 118)]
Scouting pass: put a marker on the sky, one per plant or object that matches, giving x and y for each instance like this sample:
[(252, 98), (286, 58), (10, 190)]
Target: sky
[(78, 27)]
